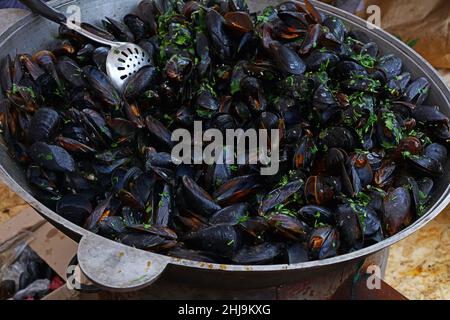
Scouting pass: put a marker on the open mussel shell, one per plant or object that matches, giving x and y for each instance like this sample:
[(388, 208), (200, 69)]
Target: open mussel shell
[(384, 176), (252, 93), (429, 115), (140, 82), (237, 189), (287, 60), (74, 146), (120, 31), (191, 222), (288, 227), (101, 86), (179, 67), (195, 255), (410, 145)]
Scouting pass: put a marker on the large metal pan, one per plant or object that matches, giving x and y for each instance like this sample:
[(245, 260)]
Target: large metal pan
[(117, 267)]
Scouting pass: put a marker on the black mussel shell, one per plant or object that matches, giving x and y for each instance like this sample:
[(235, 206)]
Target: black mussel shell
[(145, 241), (280, 195), (195, 255), (232, 215), (349, 227), (52, 157), (287, 60), (223, 240), (296, 253), (112, 226), (237, 189), (141, 81), (315, 215), (75, 208), (198, 199), (288, 227), (397, 211), (43, 124)]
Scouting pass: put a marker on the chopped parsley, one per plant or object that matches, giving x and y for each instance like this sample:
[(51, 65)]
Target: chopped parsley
[(281, 209), (235, 86), (204, 113), (365, 60), (266, 15), (243, 219)]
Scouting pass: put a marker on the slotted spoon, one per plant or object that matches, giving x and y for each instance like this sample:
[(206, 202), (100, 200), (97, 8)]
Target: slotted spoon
[(124, 58)]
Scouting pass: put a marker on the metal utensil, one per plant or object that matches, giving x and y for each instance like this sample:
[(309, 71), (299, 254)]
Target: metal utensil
[(124, 58)]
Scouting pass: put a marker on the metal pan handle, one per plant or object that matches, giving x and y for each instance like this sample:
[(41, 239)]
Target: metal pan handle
[(41, 8), (116, 267)]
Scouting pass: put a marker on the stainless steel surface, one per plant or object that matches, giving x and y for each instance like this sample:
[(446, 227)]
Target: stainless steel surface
[(108, 263), (124, 58)]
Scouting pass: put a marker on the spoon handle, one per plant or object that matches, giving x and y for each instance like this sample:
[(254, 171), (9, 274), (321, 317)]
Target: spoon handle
[(41, 8)]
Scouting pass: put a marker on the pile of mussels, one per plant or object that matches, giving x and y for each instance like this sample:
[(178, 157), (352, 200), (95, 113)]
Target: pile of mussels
[(360, 149)]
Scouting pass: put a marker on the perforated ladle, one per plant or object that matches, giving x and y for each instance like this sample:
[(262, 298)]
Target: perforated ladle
[(124, 58)]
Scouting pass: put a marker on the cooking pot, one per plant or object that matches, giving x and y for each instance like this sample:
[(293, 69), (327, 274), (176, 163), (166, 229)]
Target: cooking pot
[(116, 267)]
